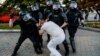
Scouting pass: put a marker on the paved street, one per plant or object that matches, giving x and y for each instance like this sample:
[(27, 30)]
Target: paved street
[(87, 43)]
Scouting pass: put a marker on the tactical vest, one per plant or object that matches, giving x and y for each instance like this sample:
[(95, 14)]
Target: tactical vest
[(57, 18)]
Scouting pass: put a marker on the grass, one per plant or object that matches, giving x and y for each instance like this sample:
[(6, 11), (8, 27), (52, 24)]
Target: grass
[(89, 24), (93, 24), (6, 26)]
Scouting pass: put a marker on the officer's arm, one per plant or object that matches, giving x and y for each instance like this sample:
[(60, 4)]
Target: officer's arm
[(65, 21), (13, 22), (40, 18), (43, 27), (81, 17), (11, 19), (64, 25)]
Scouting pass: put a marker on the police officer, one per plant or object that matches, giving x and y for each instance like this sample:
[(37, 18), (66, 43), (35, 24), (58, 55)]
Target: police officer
[(60, 19), (48, 8), (47, 11), (28, 30), (37, 16), (73, 15)]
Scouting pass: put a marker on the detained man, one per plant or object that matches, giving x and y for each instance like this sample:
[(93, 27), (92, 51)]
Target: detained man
[(56, 33)]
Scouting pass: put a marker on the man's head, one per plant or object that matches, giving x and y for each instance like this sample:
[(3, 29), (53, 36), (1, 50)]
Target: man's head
[(35, 7), (43, 21)]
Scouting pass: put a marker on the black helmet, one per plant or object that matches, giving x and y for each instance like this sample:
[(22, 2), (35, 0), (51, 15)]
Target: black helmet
[(35, 6), (73, 5), (56, 6), (49, 2)]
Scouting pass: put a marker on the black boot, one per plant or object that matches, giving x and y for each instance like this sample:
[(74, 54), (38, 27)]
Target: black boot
[(14, 54), (66, 48), (48, 38), (38, 49), (16, 49), (73, 46), (66, 53), (74, 50), (41, 41)]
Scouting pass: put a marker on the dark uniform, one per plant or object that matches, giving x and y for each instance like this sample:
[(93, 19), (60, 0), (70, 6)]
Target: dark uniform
[(47, 11), (28, 30), (59, 18), (73, 15), (38, 16)]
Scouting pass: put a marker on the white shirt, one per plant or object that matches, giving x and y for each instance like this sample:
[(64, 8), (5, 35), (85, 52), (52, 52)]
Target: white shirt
[(53, 29)]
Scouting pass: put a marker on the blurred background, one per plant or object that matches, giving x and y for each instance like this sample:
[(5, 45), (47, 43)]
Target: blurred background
[(89, 8)]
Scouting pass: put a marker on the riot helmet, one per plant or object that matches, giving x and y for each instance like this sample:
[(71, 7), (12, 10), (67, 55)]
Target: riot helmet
[(25, 16), (73, 5), (35, 7), (56, 7), (49, 3)]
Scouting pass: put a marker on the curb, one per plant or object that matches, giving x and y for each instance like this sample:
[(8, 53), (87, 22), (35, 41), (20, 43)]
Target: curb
[(9, 31), (90, 29), (18, 30)]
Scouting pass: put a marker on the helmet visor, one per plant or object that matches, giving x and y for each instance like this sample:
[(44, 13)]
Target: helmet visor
[(27, 17), (49, 2)]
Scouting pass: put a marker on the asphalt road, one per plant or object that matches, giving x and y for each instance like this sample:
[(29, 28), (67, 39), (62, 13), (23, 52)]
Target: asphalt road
[(87, 44)]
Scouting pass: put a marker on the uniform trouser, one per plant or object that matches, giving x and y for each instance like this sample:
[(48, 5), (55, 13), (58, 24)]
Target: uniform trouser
[(48, 37), (53, 43), (72, 30), (41, 41), (22, 38)]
